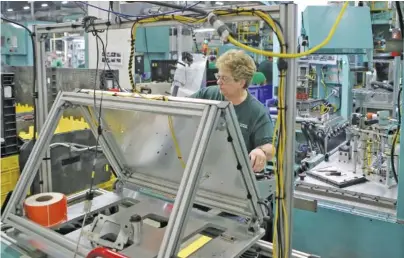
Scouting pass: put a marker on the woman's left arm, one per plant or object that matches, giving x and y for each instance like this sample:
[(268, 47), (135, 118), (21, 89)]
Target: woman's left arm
[(262, 140), (268, 149)]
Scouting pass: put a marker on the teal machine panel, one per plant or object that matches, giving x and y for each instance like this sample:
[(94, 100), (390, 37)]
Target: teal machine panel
[(154, 43), (13, 45), (16, 46), (353, 35), (332, 233)]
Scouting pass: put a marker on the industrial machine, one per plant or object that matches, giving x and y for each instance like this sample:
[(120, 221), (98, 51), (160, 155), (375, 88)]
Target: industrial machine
[(126, 127), (354, 183)]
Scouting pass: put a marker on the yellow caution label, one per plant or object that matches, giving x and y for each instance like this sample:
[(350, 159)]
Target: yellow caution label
[(194, 246)]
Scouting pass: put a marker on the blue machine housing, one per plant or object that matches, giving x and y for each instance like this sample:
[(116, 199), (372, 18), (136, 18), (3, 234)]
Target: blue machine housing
[(352, 36)]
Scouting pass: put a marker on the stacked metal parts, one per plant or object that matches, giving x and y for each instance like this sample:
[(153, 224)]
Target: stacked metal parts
[(9, 139)]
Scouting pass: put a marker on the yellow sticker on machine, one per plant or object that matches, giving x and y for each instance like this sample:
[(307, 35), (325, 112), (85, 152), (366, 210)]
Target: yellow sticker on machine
[(194, 246)]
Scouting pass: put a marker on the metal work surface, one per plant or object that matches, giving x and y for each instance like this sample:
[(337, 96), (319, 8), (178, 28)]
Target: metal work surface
[(232, 241), (374, 194)]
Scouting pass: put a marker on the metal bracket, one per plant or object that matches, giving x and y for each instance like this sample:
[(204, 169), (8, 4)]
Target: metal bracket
[(67, 105), (119, 185), (223, 104), (100, 229), (43, 37), (221, 125), (19, 210), (127, 172), (253, 226)]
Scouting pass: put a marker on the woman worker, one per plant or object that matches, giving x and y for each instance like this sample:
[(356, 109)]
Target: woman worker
[(235, 71)]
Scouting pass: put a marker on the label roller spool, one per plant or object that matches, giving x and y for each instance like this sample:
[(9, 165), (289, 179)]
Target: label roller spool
[(46, 209)]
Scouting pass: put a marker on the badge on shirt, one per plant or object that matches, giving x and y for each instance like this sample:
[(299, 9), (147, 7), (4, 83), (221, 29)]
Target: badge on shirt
[(244, 126)]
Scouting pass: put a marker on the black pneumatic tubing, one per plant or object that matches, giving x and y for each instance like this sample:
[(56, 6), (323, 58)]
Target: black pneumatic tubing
[(178, 7)]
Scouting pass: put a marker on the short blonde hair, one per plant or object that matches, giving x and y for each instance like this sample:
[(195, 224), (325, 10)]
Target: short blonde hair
[(241, 65)]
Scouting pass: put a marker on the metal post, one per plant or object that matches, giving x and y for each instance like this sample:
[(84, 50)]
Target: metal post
[(32, 12), (42, 108), (188, 187), (179, 43), (275, 74), (346, 89), (288, 14), (172, 43), (396, 83)]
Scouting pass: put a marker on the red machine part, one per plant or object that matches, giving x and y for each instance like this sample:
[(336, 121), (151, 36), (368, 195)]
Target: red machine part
[(302, 96), (103, 252)]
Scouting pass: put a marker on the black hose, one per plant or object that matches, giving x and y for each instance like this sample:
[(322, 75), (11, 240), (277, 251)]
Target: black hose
[(178, 7), (307, 136), (400, 17), (382, 85), (32, 35), (393, 146)]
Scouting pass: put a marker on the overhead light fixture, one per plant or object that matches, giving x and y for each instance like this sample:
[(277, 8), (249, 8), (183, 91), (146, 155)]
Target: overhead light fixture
[(204, 30), (26, 7), (44, 5), (64, 2), (219, 3), (9, 10)]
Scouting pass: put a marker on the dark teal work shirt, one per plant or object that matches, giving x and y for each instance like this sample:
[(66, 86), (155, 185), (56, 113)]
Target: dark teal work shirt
[(254, 120)]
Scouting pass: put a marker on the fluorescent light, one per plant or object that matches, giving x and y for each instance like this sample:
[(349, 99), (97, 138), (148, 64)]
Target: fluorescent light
[(44, 5), (64, 2), (26, 7), (16, 26), (219, 3), (204, 30), (9, 10)]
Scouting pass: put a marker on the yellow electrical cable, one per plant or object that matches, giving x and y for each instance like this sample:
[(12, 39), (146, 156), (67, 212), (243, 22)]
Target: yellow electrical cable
[(295, 55)]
